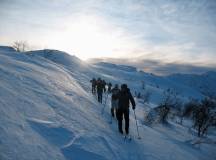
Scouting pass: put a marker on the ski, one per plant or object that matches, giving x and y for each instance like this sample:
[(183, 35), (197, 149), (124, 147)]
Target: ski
[(127, 138)]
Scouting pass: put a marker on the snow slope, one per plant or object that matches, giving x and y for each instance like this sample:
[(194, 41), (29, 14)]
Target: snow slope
[(203, 83), (47, 112), (154, 84)]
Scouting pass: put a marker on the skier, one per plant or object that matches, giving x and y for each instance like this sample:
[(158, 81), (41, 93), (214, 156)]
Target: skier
[(100, 88), (109, 87), (93, 82), (104, 85), (114, 102), (124, 97)]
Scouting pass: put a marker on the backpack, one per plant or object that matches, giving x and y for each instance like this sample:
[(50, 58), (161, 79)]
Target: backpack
[(115, 94)]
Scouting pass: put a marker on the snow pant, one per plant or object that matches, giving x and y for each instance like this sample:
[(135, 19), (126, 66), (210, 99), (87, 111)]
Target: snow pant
[(113, 112), (100, 96), (93, 89), (114, 107), (120, 114)]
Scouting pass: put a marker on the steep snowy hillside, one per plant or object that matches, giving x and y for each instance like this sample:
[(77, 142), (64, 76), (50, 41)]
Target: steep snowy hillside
[(61, 58), (72, 64), (48, 112)]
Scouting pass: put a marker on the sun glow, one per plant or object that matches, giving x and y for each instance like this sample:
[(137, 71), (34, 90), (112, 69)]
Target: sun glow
[(89, 37)]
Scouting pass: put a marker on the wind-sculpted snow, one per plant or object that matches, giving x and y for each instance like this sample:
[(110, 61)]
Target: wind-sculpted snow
[(59, 57), (47, 111), (56, 135)]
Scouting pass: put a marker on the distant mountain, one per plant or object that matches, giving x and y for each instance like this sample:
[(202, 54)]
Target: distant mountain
[(157, 67), (119, 67), (205, 83)]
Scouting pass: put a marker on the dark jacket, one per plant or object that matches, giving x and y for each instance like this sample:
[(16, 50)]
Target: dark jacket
[(124, 97), (93, 82), (100, 86), (115, 91)]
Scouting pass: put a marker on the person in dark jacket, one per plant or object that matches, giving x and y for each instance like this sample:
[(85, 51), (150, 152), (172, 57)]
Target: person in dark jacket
[(93, 82), (109, 87), (104, 85), (100, 88), (124, 98), (114, 101)]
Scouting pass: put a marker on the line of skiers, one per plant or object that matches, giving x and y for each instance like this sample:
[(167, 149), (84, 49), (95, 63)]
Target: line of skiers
[(99, 87), (120, 100)]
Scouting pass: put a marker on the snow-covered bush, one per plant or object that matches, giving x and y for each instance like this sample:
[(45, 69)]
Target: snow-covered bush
[(170, 105), (157, 115), (202, 113), (146, 96), (151, 116), (190, 107), (20, 46), (204, 116)]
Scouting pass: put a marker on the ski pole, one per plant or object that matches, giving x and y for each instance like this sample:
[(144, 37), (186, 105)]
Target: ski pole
[(137, 125)]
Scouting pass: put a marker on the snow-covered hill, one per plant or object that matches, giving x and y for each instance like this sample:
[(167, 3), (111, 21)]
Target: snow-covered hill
[(204, 83), (48, 112), (156, 85)]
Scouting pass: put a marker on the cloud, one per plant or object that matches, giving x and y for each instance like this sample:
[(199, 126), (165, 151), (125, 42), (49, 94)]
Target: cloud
[(169, 31)]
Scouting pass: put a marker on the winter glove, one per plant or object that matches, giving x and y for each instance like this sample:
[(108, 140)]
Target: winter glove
[(133, 107)]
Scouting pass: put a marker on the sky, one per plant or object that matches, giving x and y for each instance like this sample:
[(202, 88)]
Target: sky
[(172, 31)]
